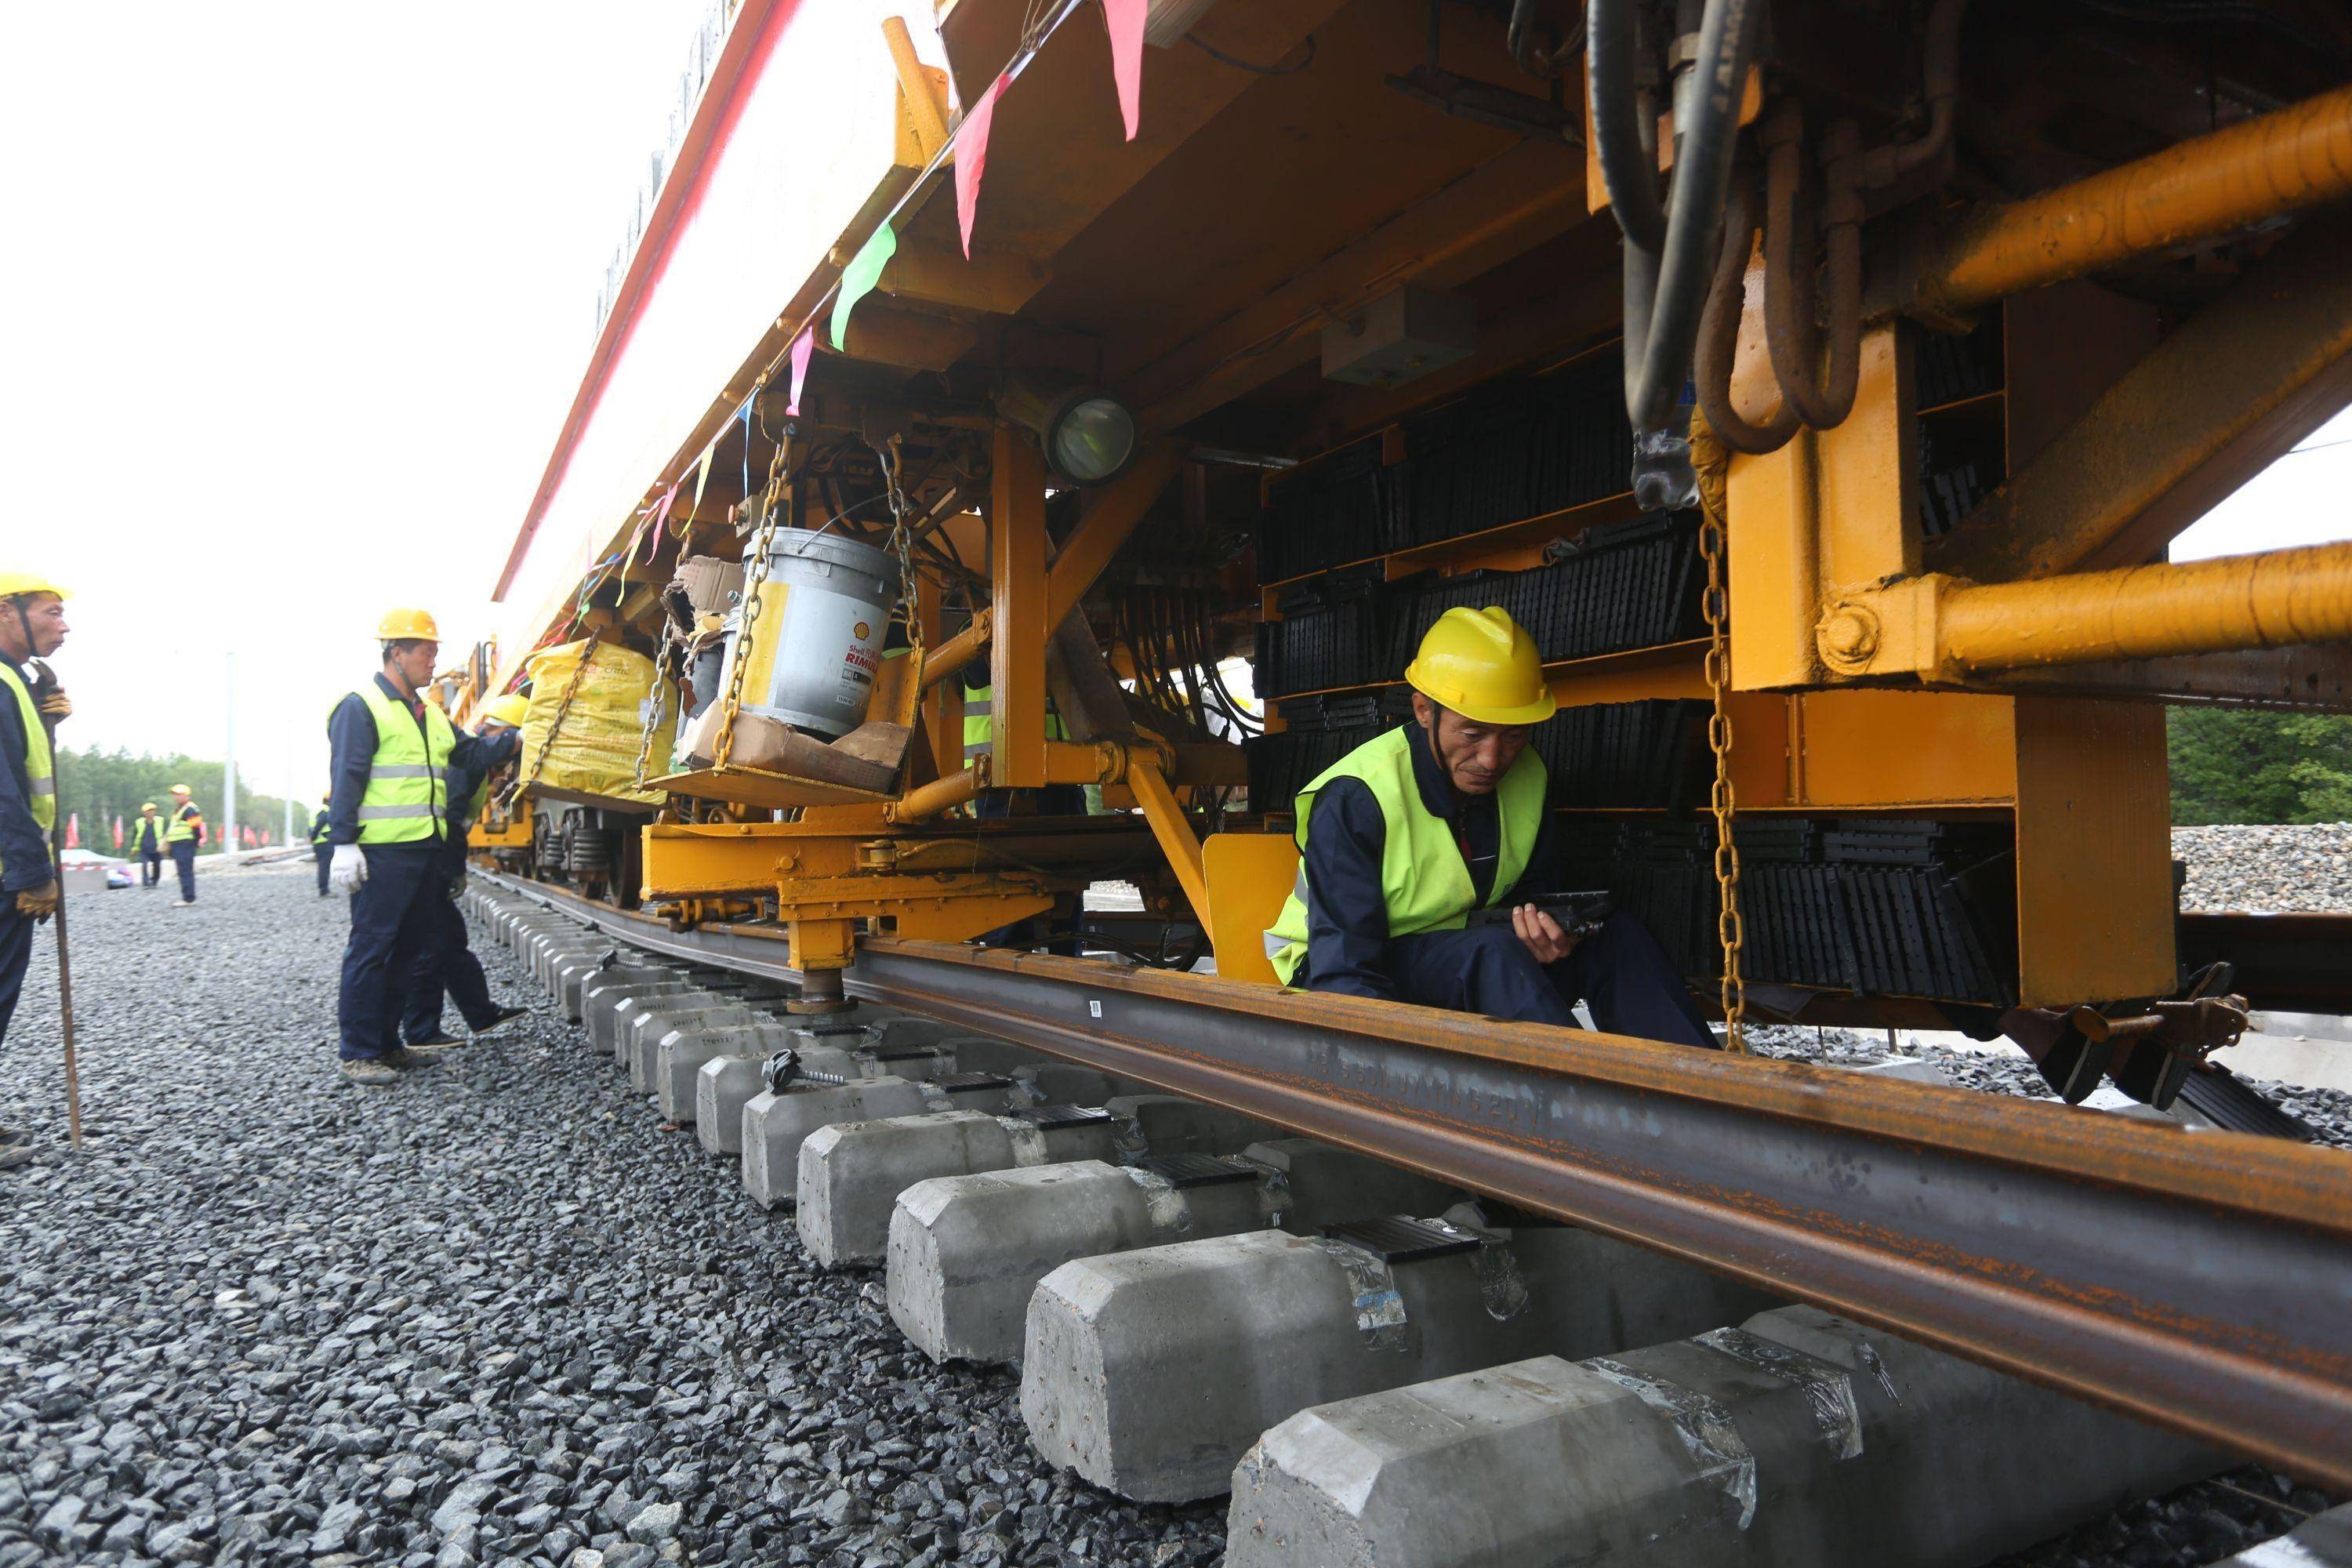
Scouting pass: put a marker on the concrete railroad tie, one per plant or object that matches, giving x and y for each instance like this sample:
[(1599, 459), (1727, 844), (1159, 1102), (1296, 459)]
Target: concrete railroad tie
[(851, 1174), (1149, 1372), (967, 1252), (776, 1124), (1798, 1437)]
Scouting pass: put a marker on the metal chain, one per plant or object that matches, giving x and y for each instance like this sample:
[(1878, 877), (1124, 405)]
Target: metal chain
[(1719, 741), (902, 541), (755, 572), (656, 702), (554, 727)]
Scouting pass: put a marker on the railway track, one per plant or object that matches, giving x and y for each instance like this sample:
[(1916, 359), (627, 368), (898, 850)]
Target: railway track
[(2193, 1281)]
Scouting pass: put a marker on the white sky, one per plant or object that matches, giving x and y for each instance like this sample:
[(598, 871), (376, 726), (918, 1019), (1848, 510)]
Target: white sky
[(295, 299)]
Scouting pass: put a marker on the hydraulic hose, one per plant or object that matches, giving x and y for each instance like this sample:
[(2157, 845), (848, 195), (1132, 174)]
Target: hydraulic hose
[(1789, 329), (1719, 334), (1665, 285), (1623, 131)]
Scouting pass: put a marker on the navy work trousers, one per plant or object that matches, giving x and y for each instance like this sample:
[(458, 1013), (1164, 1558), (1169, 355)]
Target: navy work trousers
[(326, 857), (150, 867), (183, 856), (15, 954), (392, 925), (447, 966), (1620, 971)]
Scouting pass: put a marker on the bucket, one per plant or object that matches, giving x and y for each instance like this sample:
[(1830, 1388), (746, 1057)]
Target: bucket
[(817, 643)]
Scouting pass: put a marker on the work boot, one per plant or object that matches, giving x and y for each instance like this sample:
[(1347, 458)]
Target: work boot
[(369, 1072), (438, 1040), (401, 1060), (504, 1016)]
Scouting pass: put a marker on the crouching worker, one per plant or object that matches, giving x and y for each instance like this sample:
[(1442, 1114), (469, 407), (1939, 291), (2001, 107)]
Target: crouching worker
[(1402, 838)]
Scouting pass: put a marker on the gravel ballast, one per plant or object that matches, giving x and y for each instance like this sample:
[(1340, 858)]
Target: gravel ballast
[(2296, 868), (499, 1315)]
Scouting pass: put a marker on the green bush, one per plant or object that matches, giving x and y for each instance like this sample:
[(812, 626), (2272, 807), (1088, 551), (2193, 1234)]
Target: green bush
[(2239, 765)]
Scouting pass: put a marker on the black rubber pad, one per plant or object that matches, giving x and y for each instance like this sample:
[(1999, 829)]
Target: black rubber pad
[(1398, 1239), (970, 1082), (1046, 1118), (1197, 1170)]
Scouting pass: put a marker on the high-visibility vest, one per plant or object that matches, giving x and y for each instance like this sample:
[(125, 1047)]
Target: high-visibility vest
[(182, 825), (40, 768), (980, 721), (320, 828), (147, 834), (1422, 876), (407, 798)]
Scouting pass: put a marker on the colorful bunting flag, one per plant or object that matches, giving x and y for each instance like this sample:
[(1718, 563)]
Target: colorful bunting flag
[(702, 474), (73, 831), (858, 278), (117, 833), (972, 158), (803, 347), (1125, 18)]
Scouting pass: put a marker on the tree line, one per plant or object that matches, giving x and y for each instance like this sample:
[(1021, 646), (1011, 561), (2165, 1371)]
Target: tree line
[(2240, 766), (102, 785)]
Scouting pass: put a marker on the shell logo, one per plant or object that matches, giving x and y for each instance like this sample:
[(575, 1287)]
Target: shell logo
[(861, 631)]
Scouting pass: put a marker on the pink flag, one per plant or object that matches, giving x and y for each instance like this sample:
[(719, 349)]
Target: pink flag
[(803, 347), (73, 831), (117, 833), (972, 158), (1125, 18)]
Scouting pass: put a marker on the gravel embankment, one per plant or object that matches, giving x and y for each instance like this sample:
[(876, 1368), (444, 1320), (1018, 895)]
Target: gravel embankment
[(2304, 869), (490, 1317), (495, 1316)]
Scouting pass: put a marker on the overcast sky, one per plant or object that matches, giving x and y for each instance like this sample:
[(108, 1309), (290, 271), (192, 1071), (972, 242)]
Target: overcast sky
[(295, 299)]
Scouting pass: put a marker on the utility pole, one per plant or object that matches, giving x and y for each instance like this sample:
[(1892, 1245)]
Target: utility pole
[(289, 788), (228, 767)]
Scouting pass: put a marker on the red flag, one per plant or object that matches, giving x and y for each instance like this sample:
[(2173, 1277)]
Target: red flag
[(972, 158), (117, 833), (803, 347), (1125, 18), (73, 831)]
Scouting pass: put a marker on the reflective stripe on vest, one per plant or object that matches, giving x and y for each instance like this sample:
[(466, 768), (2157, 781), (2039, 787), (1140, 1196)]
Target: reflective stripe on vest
[(146, 833), (1422, 876), (181, 827), (980, 721), (407, 795), (40, 768)]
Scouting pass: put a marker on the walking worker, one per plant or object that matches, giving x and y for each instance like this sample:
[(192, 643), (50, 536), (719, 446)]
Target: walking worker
[(447, 968), (388, 820), (183, 830), (322, 848), (1402, 838), (32, 624), (147, 845)]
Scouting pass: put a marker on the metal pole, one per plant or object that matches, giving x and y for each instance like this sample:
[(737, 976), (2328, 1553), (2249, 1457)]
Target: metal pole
[(228, 767), (289, 776), (47, 683)]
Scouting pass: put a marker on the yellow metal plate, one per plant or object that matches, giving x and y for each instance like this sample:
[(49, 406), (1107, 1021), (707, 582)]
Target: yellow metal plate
[(759, 788)]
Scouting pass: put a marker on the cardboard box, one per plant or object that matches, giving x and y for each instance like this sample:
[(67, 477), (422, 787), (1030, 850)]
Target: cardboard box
[(711, 585)]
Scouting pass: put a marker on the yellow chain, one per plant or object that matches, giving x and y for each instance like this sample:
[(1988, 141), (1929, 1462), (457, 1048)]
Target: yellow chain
[(657, 699), (1719, 741), (554, 725), (755, 572), (901, 512)]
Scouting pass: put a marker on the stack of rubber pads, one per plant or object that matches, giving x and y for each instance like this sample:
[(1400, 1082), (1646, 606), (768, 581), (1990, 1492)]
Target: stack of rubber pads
[(1647, 753), (1345, 508), (1621, 585), (1331, 634)]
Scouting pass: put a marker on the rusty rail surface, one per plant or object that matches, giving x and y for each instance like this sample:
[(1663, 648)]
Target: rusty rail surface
[(2196, 1279)]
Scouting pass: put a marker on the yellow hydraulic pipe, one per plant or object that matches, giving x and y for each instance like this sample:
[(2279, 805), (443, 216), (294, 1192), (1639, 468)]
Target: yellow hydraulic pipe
[(952, 656), (2274, 164), (938, 797), (2272, 600)]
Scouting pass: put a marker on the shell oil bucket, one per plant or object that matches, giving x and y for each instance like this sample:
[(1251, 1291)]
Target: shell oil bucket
[(817, 642)]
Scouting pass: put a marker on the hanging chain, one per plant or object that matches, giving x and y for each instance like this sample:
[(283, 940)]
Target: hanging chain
[(554, 727), (656, 702), (902, 541), (755, 572), (1719, 741)]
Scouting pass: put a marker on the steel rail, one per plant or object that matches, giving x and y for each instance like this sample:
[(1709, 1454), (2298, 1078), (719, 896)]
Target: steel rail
[(2199, 1280)]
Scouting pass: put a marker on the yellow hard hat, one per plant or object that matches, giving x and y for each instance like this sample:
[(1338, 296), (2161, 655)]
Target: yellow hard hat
[(13, 582), (1484, 666), (148, 805), (182, 789), (508, 709), (414, 625)]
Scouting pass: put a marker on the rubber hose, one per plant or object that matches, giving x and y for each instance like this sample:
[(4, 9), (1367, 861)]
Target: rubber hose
[(1719, 334), (1790, 329), (1629, 169)]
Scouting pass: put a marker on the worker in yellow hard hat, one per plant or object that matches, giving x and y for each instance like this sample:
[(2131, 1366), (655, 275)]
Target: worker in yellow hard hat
[(183, 834), (1426, 855), (389, 825), (146, 844), (32, 624), (446, 968)]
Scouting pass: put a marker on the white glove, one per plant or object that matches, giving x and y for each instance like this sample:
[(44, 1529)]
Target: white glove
[(347, 869)]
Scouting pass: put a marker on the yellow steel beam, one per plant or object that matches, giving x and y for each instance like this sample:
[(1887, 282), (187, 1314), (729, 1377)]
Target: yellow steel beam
[(920, 89), (1016, 557), (907, 339), (1111, 518), (952, 654), (1169, 825), (2236, 385), (2212, 184), (991, 282), (1942, 627)]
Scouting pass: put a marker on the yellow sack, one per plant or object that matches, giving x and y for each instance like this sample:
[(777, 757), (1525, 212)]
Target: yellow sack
[(604, 727)]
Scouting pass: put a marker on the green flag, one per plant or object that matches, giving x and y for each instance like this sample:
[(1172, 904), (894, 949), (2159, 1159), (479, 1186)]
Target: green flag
[(857, 279)]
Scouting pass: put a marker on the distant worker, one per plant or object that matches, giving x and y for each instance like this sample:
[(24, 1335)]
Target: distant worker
[(183, 830), (147, 845), (31, 626), (323, 847), (388, 820), (448, 967), (979, 735), (1402, 838)]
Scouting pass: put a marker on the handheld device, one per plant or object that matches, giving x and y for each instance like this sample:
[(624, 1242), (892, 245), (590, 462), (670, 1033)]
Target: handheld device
[(1578, 913)]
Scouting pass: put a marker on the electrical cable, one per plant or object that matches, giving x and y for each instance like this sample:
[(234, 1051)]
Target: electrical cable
[(1253, 67)]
